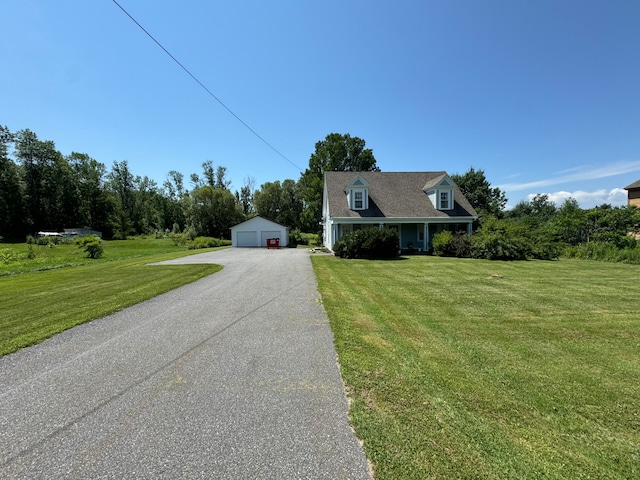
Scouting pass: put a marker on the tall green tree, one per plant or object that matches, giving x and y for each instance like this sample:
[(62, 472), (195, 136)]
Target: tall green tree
[(12, 223), (486, 200), (50, 194), (149, 206), (213, 211), (340, 152), (176, 200), (121, 186), (538, 210), (280, 202), (246, 196), (92, 206), (612, 224), (215, 177), (569, 222)]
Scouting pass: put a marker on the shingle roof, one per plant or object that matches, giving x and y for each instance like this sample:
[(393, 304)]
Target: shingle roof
[(633, 186), (393, 195)]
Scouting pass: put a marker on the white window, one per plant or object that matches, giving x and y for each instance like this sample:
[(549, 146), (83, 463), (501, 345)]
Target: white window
[(444, 200), (358, 200)]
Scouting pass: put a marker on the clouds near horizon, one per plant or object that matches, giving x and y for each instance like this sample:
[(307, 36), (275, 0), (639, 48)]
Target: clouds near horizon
[(582, 173), (587, 199), (616, 197)]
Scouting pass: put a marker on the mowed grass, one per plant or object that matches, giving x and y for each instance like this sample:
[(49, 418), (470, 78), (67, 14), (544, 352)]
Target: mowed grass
[(490, 370), (71, 290)]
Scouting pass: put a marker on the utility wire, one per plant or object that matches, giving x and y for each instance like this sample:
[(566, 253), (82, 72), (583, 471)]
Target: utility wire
[(204, 87)]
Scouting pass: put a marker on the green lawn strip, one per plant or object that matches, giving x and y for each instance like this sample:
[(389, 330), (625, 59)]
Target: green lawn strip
[(37, 305), (13, 255), (476, 369)]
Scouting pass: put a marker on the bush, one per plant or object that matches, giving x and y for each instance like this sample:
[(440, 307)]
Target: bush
[(179, 239), (448, 244), (442, 243), (207, 242), (182, 239), (296, 237), (91, 244), (368, 243), (499, 240), (7, 256), (45, 241), (607, 252)]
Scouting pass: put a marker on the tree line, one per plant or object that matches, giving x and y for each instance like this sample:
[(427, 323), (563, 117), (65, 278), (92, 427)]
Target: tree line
[(538, 228), (43, 190)]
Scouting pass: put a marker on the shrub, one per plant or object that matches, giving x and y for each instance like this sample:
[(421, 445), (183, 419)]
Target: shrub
[(461, 245), (442, 243), (448, 244), (45, 241), (368, 243), (545, 248), (207, 242), (7, 256), (90, 244), (607, 252), (296, 237), (179, 239), (499, 240)]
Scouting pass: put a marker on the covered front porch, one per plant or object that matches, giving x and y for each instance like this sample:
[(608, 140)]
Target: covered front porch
[(414, 237)]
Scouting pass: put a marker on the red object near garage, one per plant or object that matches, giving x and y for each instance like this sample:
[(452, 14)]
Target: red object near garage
[(273, 243)]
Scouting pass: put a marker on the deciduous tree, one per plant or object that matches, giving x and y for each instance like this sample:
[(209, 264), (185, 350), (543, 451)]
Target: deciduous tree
[(280, 202), (477, 189), (340, 152), (12, 223), (213, 211)]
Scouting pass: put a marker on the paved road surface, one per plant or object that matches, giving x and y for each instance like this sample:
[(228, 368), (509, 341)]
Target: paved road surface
[(231, 377)]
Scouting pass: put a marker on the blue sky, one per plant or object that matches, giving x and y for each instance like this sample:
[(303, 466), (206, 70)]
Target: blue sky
[(544, 96)]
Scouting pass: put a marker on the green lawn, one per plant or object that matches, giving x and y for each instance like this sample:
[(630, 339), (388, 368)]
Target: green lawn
[(60, 288), (492, 370)]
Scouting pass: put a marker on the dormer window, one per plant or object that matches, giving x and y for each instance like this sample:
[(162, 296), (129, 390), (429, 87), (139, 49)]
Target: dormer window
[(440, 192), (444, 199), (358, 200), (358, 194)]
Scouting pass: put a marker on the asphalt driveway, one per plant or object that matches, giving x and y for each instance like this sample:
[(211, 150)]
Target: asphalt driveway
[(231, 377)]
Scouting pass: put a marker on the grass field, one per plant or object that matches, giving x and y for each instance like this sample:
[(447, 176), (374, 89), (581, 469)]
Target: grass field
[(491, 370), (61, 288)]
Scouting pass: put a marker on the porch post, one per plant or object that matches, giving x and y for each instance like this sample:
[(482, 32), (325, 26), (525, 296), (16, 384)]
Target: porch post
[(426, 236)]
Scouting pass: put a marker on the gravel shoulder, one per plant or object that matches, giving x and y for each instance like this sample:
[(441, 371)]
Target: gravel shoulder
[(233, 376)]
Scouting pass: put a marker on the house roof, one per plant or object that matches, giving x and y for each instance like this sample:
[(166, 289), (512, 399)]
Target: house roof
[(633, 186), (256, 218), (393, 195)]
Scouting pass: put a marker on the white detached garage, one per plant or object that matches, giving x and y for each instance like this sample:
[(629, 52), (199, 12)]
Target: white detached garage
[(256, 231)]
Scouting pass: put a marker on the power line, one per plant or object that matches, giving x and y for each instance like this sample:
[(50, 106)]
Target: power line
[(204, 87)]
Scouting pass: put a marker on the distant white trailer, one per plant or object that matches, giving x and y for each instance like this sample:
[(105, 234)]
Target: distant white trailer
[(81, 232), (257, 232)]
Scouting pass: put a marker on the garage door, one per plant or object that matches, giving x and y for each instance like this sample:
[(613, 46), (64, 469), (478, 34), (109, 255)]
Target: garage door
[(266, 235), (247, 239)]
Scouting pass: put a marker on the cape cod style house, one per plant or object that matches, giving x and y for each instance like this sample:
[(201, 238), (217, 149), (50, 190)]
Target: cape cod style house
[(417, 204)]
